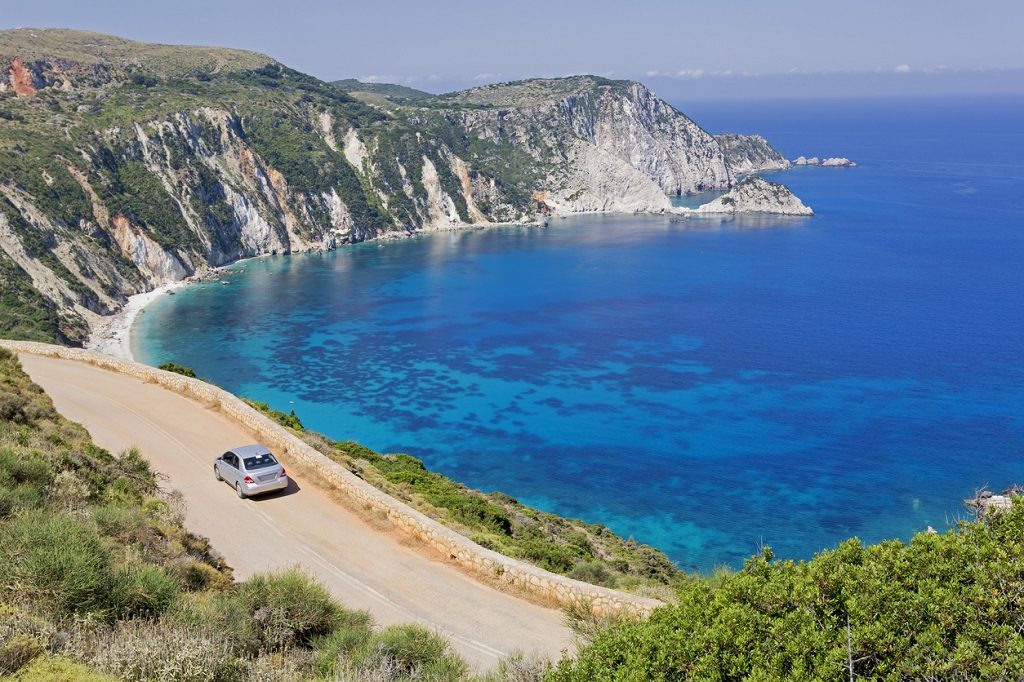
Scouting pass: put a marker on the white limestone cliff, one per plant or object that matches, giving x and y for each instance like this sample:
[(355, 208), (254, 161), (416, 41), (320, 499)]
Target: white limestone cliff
[(756, 195), (748, 154)]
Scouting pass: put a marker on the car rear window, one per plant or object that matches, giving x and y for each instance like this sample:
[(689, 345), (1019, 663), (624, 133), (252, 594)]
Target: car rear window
[(259, 461)]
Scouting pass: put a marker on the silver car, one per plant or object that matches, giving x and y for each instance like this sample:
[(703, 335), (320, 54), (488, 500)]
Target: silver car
[(250, 470)]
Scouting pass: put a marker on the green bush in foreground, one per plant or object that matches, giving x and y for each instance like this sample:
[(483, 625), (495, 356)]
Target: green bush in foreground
[(142, 591), (410, 651), (287, 609), (944, 607), (57, 562)]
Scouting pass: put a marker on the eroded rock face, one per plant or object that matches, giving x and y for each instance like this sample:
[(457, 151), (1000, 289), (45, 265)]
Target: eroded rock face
[(748, 154), (598, 131), (655, 139), (22, 81), (158, 265), (27, 78), (600, 181), (441, 210), (757, 195)]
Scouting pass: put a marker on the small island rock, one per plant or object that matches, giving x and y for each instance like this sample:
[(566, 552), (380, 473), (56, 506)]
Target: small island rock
[(757, 195)]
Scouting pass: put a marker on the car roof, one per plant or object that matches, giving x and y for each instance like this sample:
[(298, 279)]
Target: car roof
[(250, 450)]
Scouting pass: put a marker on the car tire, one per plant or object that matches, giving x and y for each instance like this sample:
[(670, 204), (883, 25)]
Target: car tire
[(238, 491), (216, 473)]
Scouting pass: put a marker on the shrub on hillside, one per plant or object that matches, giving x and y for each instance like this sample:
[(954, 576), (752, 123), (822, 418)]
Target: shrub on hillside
[(465, 507), (22, 638), (332, 652), (24, 478), (406, 652), (55, 561), (62, 565), (409, 652), (941, 607), (140, 650), (121, 522), (269, 613), (288, 608), (537, 548), (287, 419), (142, 591), (21, 402), (593, 572), (178, 369), (194, 575)]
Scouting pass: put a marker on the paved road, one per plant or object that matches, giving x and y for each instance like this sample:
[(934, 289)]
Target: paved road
[(364, 568)]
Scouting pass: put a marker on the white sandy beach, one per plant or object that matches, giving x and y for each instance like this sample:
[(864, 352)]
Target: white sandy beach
[(111, 334)]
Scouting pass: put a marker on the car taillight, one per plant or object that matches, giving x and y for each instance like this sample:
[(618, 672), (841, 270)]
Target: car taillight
[(284, 474), (248, 480)]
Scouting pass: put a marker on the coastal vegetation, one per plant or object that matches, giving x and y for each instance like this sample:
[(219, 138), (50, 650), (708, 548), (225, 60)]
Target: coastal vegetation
[(944, 606), (289, 419), (178, 369)]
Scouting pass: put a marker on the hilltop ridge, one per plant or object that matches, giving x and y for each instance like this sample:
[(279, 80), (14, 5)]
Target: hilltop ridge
[(528, 92), (86, 47), (388, 90)]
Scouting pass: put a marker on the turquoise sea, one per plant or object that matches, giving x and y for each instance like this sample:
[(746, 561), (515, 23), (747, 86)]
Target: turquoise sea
[(704, 386)]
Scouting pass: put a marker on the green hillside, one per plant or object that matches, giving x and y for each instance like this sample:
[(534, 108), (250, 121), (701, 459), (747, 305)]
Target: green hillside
[(389, 90)]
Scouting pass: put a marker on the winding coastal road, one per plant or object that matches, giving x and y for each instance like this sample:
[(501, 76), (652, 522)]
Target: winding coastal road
[(363, 567)]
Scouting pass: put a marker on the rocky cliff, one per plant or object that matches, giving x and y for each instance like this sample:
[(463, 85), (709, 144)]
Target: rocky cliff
[(757, 195), (126, 165), (604, 145), (748, 154)]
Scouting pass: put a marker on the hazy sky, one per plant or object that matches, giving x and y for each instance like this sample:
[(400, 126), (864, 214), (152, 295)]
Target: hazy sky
[(723, 44)]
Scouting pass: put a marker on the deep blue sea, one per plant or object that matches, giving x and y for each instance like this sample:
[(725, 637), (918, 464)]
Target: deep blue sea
[(704, 386)]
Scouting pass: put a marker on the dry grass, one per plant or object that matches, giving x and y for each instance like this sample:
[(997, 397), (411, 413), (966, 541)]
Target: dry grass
[(97, 48)]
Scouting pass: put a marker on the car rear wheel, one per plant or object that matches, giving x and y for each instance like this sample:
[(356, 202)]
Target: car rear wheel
[(216, 473), (238, 491)]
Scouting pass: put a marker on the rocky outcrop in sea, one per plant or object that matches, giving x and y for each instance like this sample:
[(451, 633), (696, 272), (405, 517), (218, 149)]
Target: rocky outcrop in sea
[(757, 195), (833, 162)]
